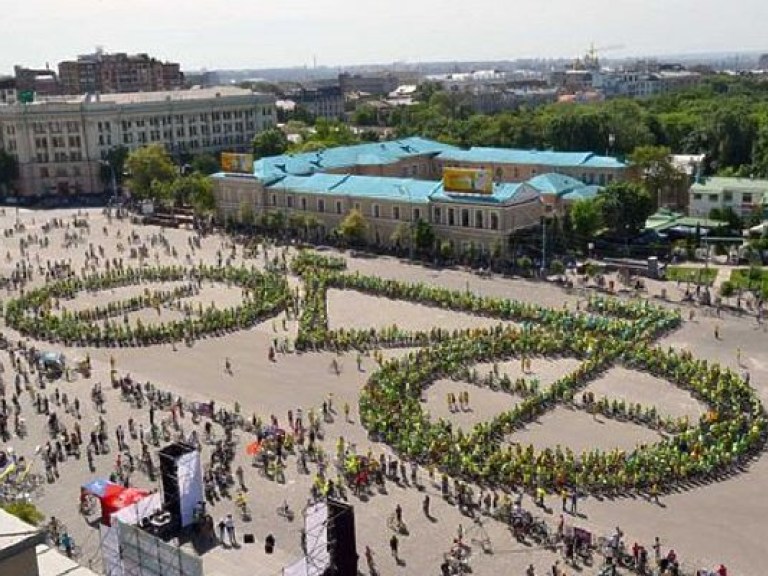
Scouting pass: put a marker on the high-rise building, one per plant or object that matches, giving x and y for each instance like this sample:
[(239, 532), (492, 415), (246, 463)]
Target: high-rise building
[(118, 73), (60, 142)]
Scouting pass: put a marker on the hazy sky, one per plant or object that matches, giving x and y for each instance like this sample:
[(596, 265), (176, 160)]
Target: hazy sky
[(266, 33)]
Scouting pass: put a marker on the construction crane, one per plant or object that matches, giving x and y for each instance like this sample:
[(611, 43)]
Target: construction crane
[(591, 59)]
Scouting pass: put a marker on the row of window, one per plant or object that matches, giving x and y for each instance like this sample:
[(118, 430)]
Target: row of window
[(463, 217), (41, 142), (55, 127), (60, 172), (180, 119), (746, 197), (59, 156)]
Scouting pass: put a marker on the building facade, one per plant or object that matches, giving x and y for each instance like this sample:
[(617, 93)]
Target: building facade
[(38, 82), (321, 102), (60, 143), (401, 181), (478, 222), (373, 85), (510, 165), (118, 73), (743, 195), (8, 94)]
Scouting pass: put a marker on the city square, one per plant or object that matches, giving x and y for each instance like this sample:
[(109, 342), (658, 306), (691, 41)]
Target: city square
[(323, 336)]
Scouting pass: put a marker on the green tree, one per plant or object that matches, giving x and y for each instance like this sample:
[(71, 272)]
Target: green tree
[(246, 214), (423, 236), (401, 235), (727, 289), (205, 164), (659, 176), (115, 160), (729, 216), (556, 268), (9, 171), (25, 511), (446, 250), (148, 165), (272, 142), (365, 115), (353, 228), (587, 219), (625, 207), (195, 190)]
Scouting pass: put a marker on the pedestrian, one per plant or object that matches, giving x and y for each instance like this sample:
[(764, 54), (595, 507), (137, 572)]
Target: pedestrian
[(574, 502), (425, 506), (564, 497), (393, 543), (222, 529), (530, 571), (230, 525)]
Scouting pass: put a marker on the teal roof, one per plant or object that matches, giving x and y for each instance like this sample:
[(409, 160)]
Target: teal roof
[(664, 219), (583, 193), (555, 184), (398, 189), (540, 157), (502, 193), (720, 183), (371, 154), (405, 189)]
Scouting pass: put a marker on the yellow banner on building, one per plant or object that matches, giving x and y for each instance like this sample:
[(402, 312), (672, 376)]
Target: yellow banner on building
[(240, 163), (467, 180)]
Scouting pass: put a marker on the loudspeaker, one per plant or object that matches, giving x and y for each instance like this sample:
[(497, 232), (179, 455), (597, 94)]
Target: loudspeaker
[(341, 538), (169, 478)]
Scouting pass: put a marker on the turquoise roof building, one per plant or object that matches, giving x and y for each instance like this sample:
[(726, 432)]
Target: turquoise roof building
[(347, 157)]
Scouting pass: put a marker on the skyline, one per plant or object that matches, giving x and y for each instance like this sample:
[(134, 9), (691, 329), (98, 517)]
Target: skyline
[(249, 35)]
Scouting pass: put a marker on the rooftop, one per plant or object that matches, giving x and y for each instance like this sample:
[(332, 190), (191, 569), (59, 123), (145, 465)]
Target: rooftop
[(390, 152), (16, 536), (537, 157), (664, 219), (375, 153), (720, 183), (399, 189), (146, 97), (53, 563), (556, 184)]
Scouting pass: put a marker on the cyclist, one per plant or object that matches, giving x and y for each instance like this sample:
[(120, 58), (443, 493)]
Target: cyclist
[(241, 502)]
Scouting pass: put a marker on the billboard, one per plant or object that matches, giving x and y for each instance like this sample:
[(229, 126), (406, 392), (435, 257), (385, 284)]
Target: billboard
[(467, 180), (231, 162)]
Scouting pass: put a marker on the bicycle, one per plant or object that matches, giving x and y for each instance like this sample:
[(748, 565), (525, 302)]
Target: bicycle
[(396, 525), (285, 511)]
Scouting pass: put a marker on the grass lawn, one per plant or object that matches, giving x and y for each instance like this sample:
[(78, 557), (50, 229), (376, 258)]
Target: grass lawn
[(740, 279), (703, 276)]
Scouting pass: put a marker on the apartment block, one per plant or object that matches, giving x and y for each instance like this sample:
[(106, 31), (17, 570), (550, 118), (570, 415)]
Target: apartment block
[(118, 73)]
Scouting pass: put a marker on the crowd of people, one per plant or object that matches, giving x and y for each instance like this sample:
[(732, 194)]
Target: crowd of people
[(485, 470), (38, 314)]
